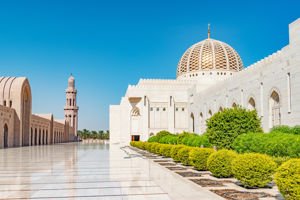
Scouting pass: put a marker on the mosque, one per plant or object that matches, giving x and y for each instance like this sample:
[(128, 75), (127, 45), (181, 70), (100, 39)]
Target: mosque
[(19, 127), (211, 77)]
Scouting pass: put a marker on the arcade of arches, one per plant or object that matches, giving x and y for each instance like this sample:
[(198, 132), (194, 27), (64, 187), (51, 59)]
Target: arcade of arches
[(19, 127)]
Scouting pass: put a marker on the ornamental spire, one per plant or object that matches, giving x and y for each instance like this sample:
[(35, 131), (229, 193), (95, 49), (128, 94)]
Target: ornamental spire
[(208, 32)]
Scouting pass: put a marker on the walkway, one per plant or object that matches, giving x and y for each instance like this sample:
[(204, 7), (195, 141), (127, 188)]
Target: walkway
[(88, 171)]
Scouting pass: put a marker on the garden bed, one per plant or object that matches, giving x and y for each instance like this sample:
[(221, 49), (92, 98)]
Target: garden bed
[(207, 182), (232, 194), (189, 174)]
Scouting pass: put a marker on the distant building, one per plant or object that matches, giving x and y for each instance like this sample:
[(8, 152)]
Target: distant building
[(211, 77), (19, 127)]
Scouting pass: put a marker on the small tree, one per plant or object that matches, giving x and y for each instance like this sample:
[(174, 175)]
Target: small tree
[(224, 127)]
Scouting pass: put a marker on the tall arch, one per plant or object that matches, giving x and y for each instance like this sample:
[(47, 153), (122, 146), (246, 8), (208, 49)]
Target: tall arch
[(26, 110), (234, 105), (40, 137), (31, 136), (251, 104), (193, 122), (275, 115), (5, 136), (35, 136), (135, 123)]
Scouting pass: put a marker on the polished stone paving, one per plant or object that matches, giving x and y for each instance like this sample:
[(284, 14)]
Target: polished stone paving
[(87, 171)]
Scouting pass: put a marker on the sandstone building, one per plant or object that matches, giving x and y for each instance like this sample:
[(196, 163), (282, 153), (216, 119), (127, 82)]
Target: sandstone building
[(19, 127), (211, 77)]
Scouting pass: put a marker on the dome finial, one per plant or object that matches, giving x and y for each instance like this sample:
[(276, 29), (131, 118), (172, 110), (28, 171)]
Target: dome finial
[(208, 32)]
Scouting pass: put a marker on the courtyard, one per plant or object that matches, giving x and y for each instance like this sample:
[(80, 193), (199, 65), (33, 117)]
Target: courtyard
[(88, 171)]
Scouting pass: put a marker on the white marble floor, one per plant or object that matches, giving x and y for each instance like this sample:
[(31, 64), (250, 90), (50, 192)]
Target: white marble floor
[(85, 171)]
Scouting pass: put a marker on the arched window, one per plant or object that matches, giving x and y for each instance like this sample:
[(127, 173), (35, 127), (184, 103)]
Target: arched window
[(135, 111), (201, 123), (221, 109), (251, 104), (234, 105), (275, 114), (209, 114), (5, 136), (151, 134), (193, 122), (70, 102), (73, 102)]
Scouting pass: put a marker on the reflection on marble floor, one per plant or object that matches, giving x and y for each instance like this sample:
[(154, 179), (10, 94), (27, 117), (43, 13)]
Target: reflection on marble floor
[(75, 171)]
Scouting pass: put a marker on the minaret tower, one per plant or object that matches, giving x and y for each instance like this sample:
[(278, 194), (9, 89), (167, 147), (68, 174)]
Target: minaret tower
[(71, 110)]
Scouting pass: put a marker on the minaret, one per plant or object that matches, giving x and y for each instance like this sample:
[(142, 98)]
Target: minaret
[(71, 110)]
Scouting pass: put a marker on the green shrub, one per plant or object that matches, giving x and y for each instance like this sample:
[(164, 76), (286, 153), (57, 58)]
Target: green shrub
[(282, 129), (153, 147), (275, 144), (172, 139), (219, 163), (280, 160), (287, 179), (198, 157), (152, 139), (183, 155), (201, 140), (253, 169), (174, 151), (140, 145), (157, 148), (224, 127), (132, 143), (169, 139), (165, 150), (161, 134), (148, 146), (296, 130), (181, 137)]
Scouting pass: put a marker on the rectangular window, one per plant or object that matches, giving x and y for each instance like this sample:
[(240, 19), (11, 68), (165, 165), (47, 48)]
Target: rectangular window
[(182, 109), (164, 109), (176, 109), (151, 109), (157, 109)]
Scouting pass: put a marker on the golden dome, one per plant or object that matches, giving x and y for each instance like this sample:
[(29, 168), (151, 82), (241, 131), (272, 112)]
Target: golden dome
[(209, 55)]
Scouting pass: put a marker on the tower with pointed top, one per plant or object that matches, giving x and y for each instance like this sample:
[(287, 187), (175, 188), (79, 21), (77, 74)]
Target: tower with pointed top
[(71, 109)]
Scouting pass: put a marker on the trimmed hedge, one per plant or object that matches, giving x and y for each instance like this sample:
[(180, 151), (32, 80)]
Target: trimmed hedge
[(165, 150), (183, 155), (287, 179), (183, 135), (287, 129), (153, 147), (219, 163), (174, 152), (148, 146), (169, 139), (152, 139), (224, 127), (161, 134), (253, 169), (198, 157), (157, 148), (274, 144)]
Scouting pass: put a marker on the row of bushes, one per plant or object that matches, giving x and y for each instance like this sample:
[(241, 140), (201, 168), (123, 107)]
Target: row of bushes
[(186, 138), (287, 129), (274, 144), (251, 169)]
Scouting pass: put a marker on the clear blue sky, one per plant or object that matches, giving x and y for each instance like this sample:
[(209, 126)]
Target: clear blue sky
[(110, 44)]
